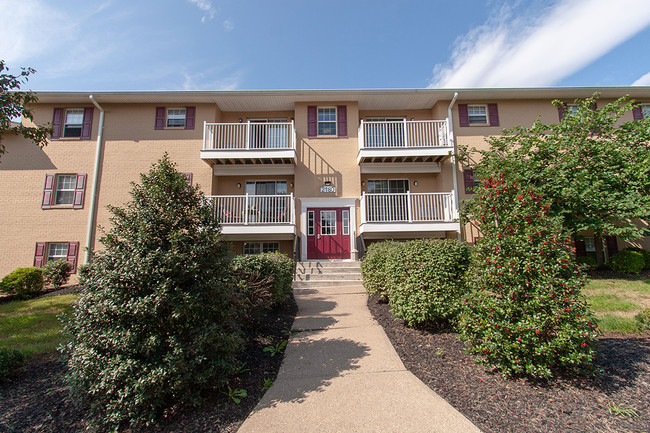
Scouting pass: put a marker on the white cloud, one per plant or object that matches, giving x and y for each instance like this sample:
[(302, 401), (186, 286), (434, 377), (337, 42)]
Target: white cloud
[(542, 47), (205, 6), (643, 81), (228, 25), (198, 82)]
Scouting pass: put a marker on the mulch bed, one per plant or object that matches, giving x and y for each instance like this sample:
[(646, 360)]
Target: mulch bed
[(498, 405), (36, 399)]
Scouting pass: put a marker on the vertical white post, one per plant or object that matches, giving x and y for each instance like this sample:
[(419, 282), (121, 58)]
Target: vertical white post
[(246, 210), (363, 208), (361, 135), (409, 206), (293, 210), (406, 136), (248, 134)]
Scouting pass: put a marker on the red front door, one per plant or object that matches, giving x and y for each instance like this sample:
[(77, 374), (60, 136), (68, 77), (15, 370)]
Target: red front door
[(328, 233)]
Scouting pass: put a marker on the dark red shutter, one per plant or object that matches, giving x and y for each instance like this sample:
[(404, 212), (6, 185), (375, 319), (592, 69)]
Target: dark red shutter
[(581, 249), (87, 124), (561, 111), (463, 116), (39, 255), (79, 192), (468, 177), (312, 121), (612, 245), (637, 112), (189, 177), (48, 191), (160, 118), (73, 252), (493, 113), (57, 119), (342, 120), (190, 113)]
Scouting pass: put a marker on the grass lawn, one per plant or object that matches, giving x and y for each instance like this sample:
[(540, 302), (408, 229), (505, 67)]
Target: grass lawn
[(32, 326), (617, 301)]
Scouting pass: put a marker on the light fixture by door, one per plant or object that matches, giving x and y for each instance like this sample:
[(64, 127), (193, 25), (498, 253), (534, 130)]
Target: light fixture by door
[(328, 183), (415, 183), (238, 185)]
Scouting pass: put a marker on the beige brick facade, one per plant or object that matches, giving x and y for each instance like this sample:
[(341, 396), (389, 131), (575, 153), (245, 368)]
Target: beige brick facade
[(131, 143)]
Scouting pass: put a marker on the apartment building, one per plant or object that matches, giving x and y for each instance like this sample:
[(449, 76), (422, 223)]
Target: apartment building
[(316, 174)]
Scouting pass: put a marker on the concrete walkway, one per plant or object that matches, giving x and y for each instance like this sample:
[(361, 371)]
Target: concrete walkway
[(341, 374)]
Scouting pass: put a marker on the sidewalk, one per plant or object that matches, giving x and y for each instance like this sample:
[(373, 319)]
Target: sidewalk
[(341, 374)]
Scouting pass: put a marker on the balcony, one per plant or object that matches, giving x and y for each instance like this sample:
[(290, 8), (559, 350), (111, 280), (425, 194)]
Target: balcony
[(407, 214), (255, 214), (231, 146), (394, 142)]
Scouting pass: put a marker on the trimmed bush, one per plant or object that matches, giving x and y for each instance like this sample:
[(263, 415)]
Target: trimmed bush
[(57, 272), (263, 280), (23, 283), (427, 280), (587, 262), (646, 256), (10, 361), (628, 262), (527, 314), (643, 320), (374, 266), (154, 324)]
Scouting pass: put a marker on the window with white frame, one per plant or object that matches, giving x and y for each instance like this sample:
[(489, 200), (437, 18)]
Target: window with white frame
[(346, 222), (326, 120), (261, 247), (65, 188), (73, 122), (571, 108), (477, 114), (590, 244), (57, 251), (176, 117), (310, 223), (645, 110)]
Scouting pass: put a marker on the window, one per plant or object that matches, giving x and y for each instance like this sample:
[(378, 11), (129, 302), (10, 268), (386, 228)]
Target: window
[(310, 223), (346, 222), (328, 222), (590, 244), (64, 190), (641, 111), (74, 119), (571, 108), (261, 247), (65, 187), (46, 251), (391, 201), (384, 131), (471, 182), (273, 187), (57, 251), (72, 123), (175, 117), (388, 186), (327, 121), (645, 110), (477, 114)]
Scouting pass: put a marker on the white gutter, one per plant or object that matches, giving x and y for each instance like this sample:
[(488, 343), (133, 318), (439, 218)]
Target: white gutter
[(453, 156), (92, 216)]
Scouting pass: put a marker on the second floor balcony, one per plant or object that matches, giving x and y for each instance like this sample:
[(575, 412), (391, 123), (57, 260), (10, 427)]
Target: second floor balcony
[(255, 143), (403, 140)]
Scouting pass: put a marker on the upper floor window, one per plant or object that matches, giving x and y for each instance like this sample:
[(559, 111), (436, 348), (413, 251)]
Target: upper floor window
[(478, 115), (74, 119), (571, 108), (65, 188), (388, 186), (266, 187), (327, 121), (176, 117), (645, 109), (641, 111), (72, 123)]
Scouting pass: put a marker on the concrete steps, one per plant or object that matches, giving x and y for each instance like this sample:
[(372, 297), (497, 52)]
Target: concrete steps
[(325, 274)]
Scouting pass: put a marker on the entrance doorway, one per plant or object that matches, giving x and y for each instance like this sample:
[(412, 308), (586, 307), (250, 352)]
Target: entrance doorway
[(328, 233)]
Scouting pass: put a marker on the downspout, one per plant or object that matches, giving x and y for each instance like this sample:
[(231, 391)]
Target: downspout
[(453, 156), (92, 216)]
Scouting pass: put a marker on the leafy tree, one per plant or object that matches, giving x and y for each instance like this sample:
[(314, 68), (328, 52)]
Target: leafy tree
[(527, 314), (154, 323), (594, 168), (14, 104)]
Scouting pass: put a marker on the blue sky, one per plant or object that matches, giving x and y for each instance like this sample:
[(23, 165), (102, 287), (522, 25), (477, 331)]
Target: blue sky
[(303, 44)]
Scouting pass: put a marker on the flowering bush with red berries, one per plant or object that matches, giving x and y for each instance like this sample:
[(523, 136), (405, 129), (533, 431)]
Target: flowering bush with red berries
[(526, 314)]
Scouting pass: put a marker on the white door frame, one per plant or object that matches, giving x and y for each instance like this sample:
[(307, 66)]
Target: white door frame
[(307, 202)]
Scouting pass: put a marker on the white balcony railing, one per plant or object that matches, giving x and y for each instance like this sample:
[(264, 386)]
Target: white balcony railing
[(251, 209), (403, 134), (407, 207), (249, 136)]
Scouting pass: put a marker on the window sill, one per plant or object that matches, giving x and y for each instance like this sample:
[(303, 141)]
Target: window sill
[(70, 139)]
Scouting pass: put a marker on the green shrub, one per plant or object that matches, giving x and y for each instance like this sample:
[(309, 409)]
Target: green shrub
[(646, 256), (57, 272), (643, 320), (10, 361), (628, 262), (427, 280), (374, 266), (153, 324), (263, 280), (23, 283), (587, 262), (526, 315)]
